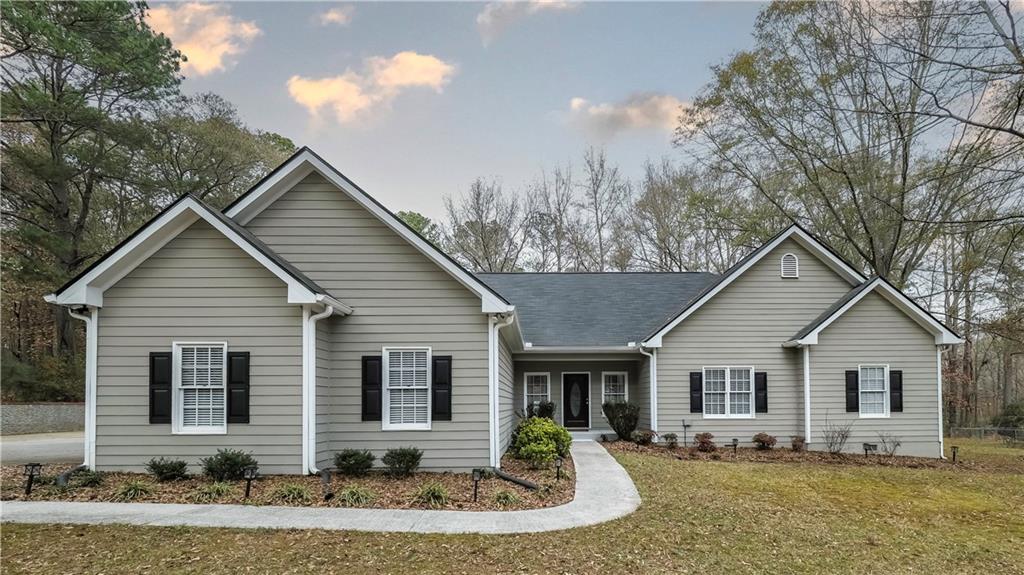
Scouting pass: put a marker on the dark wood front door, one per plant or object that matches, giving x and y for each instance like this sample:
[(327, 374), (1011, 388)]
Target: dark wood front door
[(576, 400)]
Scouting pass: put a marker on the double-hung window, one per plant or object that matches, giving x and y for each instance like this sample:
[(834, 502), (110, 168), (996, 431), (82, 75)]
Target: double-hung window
[(874, 390), (406, 388), (728, 392), (613, 387), (200, 379), (537, 388)]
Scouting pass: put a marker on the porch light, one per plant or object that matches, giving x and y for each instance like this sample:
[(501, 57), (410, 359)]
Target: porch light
[(955, 448), (249, 473), (558, 468), (870, 448), (735, 445), (478, 474), (32, 470)]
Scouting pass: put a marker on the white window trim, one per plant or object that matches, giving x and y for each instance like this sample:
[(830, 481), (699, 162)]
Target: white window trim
[(625, 384), (385, 422), (782, 265), (703, 391), (526, 377), (885, 392), (176, 409)]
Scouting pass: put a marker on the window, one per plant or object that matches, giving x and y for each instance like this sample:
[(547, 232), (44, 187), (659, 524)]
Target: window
[(728, 392), (614, 387), (406, 388), (200, 378), (790, 266), (874, 390), (537, 387)]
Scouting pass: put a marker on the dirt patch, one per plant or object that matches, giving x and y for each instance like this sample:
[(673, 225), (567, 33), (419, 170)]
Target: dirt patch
[(387, 492)]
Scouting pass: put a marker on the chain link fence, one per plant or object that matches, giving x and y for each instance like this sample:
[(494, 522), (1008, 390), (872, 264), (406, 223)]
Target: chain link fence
[(1013, 435)]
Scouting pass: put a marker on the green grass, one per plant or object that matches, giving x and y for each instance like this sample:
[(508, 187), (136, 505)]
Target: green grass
[(696, 517)]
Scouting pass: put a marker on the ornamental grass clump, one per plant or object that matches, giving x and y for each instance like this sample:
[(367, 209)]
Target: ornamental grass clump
[(355, 496), (506, 498), (292, 493), (132, 490), (212, 492), (433, 495)]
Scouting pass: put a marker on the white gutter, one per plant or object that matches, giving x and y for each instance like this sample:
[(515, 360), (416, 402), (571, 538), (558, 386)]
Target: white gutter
[(938, 365), (653, 384), (807, 394), (309, 386), (91, 327), (493, 395)]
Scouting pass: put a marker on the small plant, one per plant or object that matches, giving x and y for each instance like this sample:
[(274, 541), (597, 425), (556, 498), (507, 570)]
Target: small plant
[(133, 490), (705, 442), (541, 409), (88, 478), (227, 465), (798, 443), (506, 498), (763, 441), (432, 495), (538, 455), (355, 496), (402, 461), (890, 443), (212, 492), (643, 437), (671, 440), (539, 431), (353, 461), (835, 435), (291, 493), (623, 417), (167, 469)]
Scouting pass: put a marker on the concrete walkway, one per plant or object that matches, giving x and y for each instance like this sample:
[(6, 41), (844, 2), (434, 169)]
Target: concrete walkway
[(63, 447), (604, 492)]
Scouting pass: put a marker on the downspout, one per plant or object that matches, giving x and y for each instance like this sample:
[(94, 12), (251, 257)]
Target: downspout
[(653, 355), (493, 395), (309, 388), (938, 365), (807, 394), (91, 325)]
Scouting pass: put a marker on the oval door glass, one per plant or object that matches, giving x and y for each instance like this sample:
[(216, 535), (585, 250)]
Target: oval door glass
[(574, 400)]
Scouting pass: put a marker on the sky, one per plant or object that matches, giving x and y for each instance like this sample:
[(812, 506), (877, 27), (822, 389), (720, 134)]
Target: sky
[(413, 101)]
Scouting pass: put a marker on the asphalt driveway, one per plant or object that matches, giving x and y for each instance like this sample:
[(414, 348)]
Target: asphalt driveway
[(67, 447)]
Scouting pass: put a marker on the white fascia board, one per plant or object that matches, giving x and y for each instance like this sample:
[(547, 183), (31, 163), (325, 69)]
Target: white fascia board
[(538, 350), (803, 238), (305, 163)]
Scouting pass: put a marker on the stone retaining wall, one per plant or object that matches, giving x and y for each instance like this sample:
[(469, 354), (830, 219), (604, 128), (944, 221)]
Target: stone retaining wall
[(21, 418)]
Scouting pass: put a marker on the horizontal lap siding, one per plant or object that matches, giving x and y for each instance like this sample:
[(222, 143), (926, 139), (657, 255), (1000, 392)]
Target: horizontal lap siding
[(875, 332), (557, 368), (400, 298), (641, 394), (745, 325), (506, 393), (199, 287), (324, 455)]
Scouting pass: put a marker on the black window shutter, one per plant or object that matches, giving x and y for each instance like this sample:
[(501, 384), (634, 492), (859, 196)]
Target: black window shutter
[(895, 390), (372, 396), (761, 392), (160, 386), (852, 395), (696, 392), (441, 388), (238, 387)]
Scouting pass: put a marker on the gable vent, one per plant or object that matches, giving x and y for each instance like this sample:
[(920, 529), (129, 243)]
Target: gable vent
[(790, 266)]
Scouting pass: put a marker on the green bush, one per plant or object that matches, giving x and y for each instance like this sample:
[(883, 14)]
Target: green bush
[(432, 494), (705, 442), (353, 461), (292, 493), (539, 454), (402, 461), (671, 440), (623, 417), (643, 437), (1012, 416), (541, 409), (356, 496), (88, 478), (506, 498), (133, 490), (763, 441), (212, 492), (541, 431), (227, 464), (167, 469)]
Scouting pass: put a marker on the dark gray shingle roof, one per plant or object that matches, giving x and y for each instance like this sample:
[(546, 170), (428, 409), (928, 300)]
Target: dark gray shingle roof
[(594, 309)]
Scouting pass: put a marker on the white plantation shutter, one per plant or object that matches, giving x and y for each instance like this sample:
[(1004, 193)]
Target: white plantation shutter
[(201, 387), (407, 386)]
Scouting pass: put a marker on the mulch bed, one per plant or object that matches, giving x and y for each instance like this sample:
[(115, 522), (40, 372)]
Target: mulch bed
[(389, 492), (787, 455)]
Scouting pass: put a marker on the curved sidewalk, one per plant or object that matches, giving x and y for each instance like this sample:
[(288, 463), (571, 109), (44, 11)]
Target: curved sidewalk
[(604, 491)]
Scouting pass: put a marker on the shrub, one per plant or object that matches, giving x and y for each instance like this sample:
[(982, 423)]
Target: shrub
[(133, 490), (540, 430), (356, 496), (353, 461), (1011, 418), (835, 435), (227, 464), (212, 492), (643, 436), (432, 494), (88, 478), (671, 440), (705, 442), (763, 441), (798, 442), (890, 443), (623, 417), (291, 493), (541, 409), (506, 498), (402, 461), (167, 469), (538, 455)]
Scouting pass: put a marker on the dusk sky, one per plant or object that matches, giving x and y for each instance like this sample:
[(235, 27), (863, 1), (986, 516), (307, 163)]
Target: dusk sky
[(415, 100)]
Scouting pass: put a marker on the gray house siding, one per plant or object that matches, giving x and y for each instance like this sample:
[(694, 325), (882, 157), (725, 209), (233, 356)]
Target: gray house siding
[(556, 367), (400, 298), (875, 332), (745, 325), (198, 287), (324, 452), (641, 393), (506, 394)]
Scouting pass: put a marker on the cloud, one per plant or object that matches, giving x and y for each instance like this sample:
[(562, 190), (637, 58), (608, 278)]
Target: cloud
[(338, 16), (637, 112), (498, 16), (207, 34), (352, 94)]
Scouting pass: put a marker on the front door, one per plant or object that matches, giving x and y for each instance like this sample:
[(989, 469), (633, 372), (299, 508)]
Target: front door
[(576, 400)]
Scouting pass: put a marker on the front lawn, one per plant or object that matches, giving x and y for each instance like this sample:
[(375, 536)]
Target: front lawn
[(697, 516)]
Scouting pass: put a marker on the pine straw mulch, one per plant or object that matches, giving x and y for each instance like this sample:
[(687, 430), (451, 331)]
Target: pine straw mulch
[(787, 455), (389, 492)]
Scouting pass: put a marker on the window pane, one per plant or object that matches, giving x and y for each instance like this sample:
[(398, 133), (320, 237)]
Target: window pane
[(714, 380), (407, 387), (739, 379), (872, 378), (739, 403), (615, 387), (536, 389), (202, 386), (714, 403), (872, 402)]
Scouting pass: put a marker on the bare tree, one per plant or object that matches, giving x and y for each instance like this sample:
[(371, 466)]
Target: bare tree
[(486, 229), (603, 193)]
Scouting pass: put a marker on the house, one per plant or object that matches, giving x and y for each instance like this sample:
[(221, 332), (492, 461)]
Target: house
[(306, 318)]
